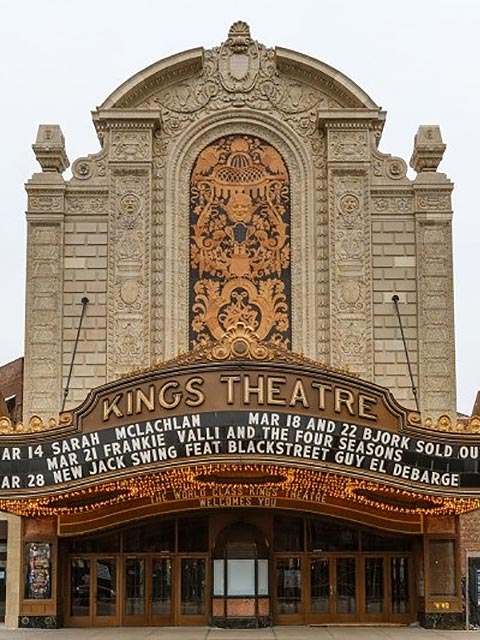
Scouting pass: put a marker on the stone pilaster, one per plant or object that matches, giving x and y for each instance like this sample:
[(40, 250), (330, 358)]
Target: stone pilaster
[(14, 570), (130, 142), (433, 218), (350, 258), (44, 302)]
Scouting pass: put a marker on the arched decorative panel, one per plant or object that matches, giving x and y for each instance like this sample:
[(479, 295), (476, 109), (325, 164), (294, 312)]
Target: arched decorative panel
[(240, 269)]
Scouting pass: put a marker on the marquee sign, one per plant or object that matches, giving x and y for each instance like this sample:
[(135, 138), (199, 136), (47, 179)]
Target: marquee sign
[(191, 412), (303, 439)]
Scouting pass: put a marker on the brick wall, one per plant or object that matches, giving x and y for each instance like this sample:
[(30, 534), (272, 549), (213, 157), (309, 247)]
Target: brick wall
[(469, 537), (85, 274), (11, 384), (394, 272)]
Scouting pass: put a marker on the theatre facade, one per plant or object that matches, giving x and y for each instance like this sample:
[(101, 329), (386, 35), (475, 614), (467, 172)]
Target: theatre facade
[(239, 383)]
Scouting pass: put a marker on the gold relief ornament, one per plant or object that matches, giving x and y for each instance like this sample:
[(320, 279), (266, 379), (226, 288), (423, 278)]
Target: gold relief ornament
[(34, 424), (241, 341), (240, 244), (461, 425)]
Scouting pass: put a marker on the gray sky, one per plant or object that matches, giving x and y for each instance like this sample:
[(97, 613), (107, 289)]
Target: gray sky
[(418, 59)]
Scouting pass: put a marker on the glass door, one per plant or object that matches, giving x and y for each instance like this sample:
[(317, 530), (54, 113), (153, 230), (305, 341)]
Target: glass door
[(192, 590), (161, 591), (401, 580), (288, 590), (80, 596), (375, 607), (92, 592), (135, 602), (321, 589), (105, 609), (345, 589)]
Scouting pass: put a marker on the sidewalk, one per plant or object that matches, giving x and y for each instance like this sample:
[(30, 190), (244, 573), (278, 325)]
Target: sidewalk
[(207, 633)]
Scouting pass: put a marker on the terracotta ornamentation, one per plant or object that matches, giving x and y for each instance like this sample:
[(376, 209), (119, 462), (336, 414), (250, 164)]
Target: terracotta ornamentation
[(239, 244)]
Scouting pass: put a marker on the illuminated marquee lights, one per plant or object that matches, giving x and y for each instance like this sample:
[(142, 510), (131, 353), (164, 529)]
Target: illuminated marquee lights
[(190, 482)]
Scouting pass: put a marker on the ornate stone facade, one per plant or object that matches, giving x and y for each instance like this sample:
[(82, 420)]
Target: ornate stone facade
[(118, 231)]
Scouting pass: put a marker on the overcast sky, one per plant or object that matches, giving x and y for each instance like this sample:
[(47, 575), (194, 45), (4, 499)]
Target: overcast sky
[(418, 59)]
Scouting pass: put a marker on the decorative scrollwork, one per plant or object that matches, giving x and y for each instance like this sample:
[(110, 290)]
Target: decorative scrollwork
[(241, 341), (240, 245), (461, 425), (34, 424)]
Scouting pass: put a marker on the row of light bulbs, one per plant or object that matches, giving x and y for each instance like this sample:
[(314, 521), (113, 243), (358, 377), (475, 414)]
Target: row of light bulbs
[(160, 486)]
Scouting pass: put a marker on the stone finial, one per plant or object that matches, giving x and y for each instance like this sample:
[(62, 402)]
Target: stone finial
[(239, 29), (428, 148), (49, 149)]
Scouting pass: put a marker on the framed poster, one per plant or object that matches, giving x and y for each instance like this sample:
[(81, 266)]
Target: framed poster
[(38, 570)]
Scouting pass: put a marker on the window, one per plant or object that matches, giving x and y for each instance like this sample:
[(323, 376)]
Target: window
[(442, 567), (244, 577)]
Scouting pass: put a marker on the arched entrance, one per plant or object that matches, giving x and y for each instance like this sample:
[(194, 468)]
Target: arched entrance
[(239, 568)]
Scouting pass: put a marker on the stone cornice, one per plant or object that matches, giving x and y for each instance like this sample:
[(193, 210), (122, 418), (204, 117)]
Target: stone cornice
[(351, 119), (401, 189), (86, 190), (125, 119), (136, 87), (45, 217), (46, 182)]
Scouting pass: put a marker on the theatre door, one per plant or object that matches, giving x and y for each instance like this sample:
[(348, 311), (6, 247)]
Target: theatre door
[(239, 568)]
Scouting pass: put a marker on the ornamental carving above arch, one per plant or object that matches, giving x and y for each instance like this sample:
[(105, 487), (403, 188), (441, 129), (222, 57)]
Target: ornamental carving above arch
[(240, 269)]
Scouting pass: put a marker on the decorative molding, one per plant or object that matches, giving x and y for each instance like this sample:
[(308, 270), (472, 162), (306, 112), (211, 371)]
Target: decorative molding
[(239, 343), (238, 62), (348, 145), (179, 162), (459, 425), (92, 167), (131, 145), (34, 424), (388, 169), (90, 203), (45, 201), (43, 346), (433, 201), (435, 321), (128, 324), (350, 271), (386, 203), (240, 73)]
